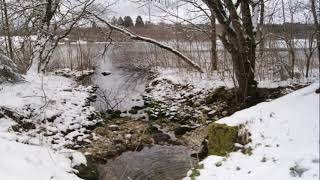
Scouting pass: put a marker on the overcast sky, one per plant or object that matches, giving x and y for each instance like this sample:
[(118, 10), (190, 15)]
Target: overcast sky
[(133, 9), (129, 8)]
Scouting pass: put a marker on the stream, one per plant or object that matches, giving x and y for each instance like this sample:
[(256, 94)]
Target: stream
[(155, 163), (151, 163), (120, 89)]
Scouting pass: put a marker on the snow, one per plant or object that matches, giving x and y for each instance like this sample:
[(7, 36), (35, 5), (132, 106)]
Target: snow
[(59, 111), (285, 141), (205, 81), (56, 107), (21, 161)]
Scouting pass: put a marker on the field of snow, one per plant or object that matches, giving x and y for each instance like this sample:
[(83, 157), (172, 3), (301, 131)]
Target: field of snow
[(285, 141)]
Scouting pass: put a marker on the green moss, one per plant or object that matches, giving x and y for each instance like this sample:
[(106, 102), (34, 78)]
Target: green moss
[(199, 166), (247, 151), (195, 171), (221, 139)]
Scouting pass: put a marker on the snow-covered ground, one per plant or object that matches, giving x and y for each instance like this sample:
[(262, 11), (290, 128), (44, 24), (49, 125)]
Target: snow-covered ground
[(285, 141), (49, 114), (204, 81), (27, 162)]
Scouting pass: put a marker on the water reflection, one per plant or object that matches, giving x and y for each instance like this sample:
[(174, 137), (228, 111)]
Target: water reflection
[(155, 163)]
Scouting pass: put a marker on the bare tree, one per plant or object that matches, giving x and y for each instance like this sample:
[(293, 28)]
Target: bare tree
[(238, 37), (200, 11), (48, 18)]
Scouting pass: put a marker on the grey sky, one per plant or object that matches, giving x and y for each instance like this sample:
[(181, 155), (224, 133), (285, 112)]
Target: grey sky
[(129, 7)]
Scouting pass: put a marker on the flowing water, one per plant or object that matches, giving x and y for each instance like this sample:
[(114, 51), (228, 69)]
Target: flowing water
[(155, 163)]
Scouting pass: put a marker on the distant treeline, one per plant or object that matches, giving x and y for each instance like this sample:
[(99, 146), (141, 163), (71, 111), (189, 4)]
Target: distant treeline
[(163, 31)]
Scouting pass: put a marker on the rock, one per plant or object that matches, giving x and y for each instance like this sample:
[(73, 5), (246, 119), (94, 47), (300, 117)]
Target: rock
[(128, 136), (88, 172), (23, 126), (8, 70), (218, 164), (221, 139), (152, 130), (212, 113), (224, 113), (160, 137), (114, 127), (133, 111), (105, 73), (179, 131)]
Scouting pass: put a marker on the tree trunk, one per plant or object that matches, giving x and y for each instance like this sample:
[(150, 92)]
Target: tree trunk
[(214, 57), (260, 29), (243, 64), (238, 37), (317, 26), (308, 66), (44, 43), (7, 29)]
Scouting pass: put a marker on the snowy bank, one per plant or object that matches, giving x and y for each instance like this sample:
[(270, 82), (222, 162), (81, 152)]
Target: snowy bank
[(51, 109), (40, 118), (285, 141), (21, 161)]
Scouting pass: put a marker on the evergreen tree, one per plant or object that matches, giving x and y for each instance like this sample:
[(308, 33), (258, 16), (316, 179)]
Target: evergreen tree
[(120, 21), (128, 21), (139, 22)]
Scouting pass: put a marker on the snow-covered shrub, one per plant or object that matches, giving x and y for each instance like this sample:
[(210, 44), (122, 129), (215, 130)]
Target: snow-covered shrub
[(8, 70)]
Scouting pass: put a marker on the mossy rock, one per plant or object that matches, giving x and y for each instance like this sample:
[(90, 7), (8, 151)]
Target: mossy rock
[(221, 139)]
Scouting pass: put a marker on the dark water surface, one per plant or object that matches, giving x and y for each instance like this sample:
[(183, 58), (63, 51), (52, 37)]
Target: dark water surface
[(155, 163)]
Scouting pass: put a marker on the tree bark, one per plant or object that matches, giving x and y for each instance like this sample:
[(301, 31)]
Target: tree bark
[(213, 38), (317, 26), (260, 29), (238, 38), (7, 29)]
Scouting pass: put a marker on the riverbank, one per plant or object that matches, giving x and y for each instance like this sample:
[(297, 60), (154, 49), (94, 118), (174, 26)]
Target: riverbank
[(42, 120), (177, 111), (284, 141)]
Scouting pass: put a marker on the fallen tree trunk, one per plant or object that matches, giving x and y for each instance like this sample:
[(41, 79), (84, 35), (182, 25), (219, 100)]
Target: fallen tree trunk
[(150, 40)]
